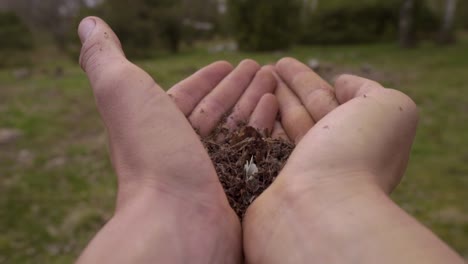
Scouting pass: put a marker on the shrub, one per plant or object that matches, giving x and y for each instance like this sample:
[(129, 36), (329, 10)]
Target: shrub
[(264, 25), (364, 24), (16, 40)]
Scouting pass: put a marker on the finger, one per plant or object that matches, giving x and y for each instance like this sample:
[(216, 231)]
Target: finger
[(279, 133), (209, 112), (101, 48), (263, 83), (294, 116), (350, 86), (315, 93), (189, 92), (264, 116)]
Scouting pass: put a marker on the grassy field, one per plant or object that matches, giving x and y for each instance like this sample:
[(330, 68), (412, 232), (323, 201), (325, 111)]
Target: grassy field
[(57, 185)]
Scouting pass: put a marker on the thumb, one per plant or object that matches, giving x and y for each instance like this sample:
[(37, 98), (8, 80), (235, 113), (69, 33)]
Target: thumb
[(148, 135), (118, 85), (126, 96), (101, 47)]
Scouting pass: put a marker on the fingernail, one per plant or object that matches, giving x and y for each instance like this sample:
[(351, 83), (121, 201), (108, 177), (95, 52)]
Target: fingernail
[(85, 29)]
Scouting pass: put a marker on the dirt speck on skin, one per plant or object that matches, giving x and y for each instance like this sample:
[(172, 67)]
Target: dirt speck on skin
[(230, 151)]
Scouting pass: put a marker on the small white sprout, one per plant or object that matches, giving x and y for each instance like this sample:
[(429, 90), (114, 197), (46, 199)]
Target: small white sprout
[(250, 169)]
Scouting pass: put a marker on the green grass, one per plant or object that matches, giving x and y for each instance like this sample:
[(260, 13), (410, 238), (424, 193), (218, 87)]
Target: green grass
[(52, 204)]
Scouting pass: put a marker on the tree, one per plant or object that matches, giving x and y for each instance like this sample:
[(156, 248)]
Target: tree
[(263, 25), (308, 8), (202, 19), (54, 17), (352, 24), (16, 40), (446, 34), (148, 25), (407, 26), (143, 25)]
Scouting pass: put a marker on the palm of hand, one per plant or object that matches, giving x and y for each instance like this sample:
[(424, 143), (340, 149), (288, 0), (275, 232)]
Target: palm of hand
[(346, 128), (356, 135), (165, 168)]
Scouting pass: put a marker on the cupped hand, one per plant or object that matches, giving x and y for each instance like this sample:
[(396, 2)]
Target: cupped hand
[(171, 207), (357, 128), (351, 139), (218, 95)]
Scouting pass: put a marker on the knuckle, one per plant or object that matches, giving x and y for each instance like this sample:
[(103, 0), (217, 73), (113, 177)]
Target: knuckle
[(106, 88), (319, 98), (213, 106), (89, 54), (208, 112), (296, 117), (184, 101), (302, 79)]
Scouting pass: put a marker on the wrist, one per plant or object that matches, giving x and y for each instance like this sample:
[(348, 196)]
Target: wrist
[(170, 229), (354, 222), (302, 215)]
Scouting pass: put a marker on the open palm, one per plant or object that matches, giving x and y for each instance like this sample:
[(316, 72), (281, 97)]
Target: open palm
[(170, 204), (351, 140)]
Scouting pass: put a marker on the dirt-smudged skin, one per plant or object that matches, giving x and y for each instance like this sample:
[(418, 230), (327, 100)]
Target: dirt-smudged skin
[(230, 152)]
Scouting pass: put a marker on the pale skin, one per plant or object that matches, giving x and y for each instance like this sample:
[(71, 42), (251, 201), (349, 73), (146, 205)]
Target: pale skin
[(330, 203)]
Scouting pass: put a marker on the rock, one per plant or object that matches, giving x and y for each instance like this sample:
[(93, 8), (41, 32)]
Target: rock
[(278, 53), (366, 68), (59, 72), (53, 249), (224, 47), (9, 135), (232, 46), (56, 162), (22, 73), (216, 49), (25, 157), (314, 64)]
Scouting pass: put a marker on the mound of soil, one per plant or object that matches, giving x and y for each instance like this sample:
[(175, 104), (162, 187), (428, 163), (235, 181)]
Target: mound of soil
[(246, 163)]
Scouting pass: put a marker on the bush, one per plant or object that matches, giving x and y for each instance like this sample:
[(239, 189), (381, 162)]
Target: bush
[(143, 26), (462, 15), (265, 25), (16, 40), (364, 24)]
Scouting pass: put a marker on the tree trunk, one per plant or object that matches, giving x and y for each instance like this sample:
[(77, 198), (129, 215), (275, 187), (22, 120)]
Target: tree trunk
[(446, 34), (314, 5), (407, 31), (308, 8)]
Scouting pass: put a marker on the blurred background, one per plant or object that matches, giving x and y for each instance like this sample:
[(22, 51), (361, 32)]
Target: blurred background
[(56, 182)]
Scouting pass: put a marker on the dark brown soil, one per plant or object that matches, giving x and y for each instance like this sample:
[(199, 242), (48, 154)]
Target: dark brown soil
[(231, 151)]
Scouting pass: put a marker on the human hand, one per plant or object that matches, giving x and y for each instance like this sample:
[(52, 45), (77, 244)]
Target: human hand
[(359, 147), (244, 94), (170, 205), (370, 133)]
